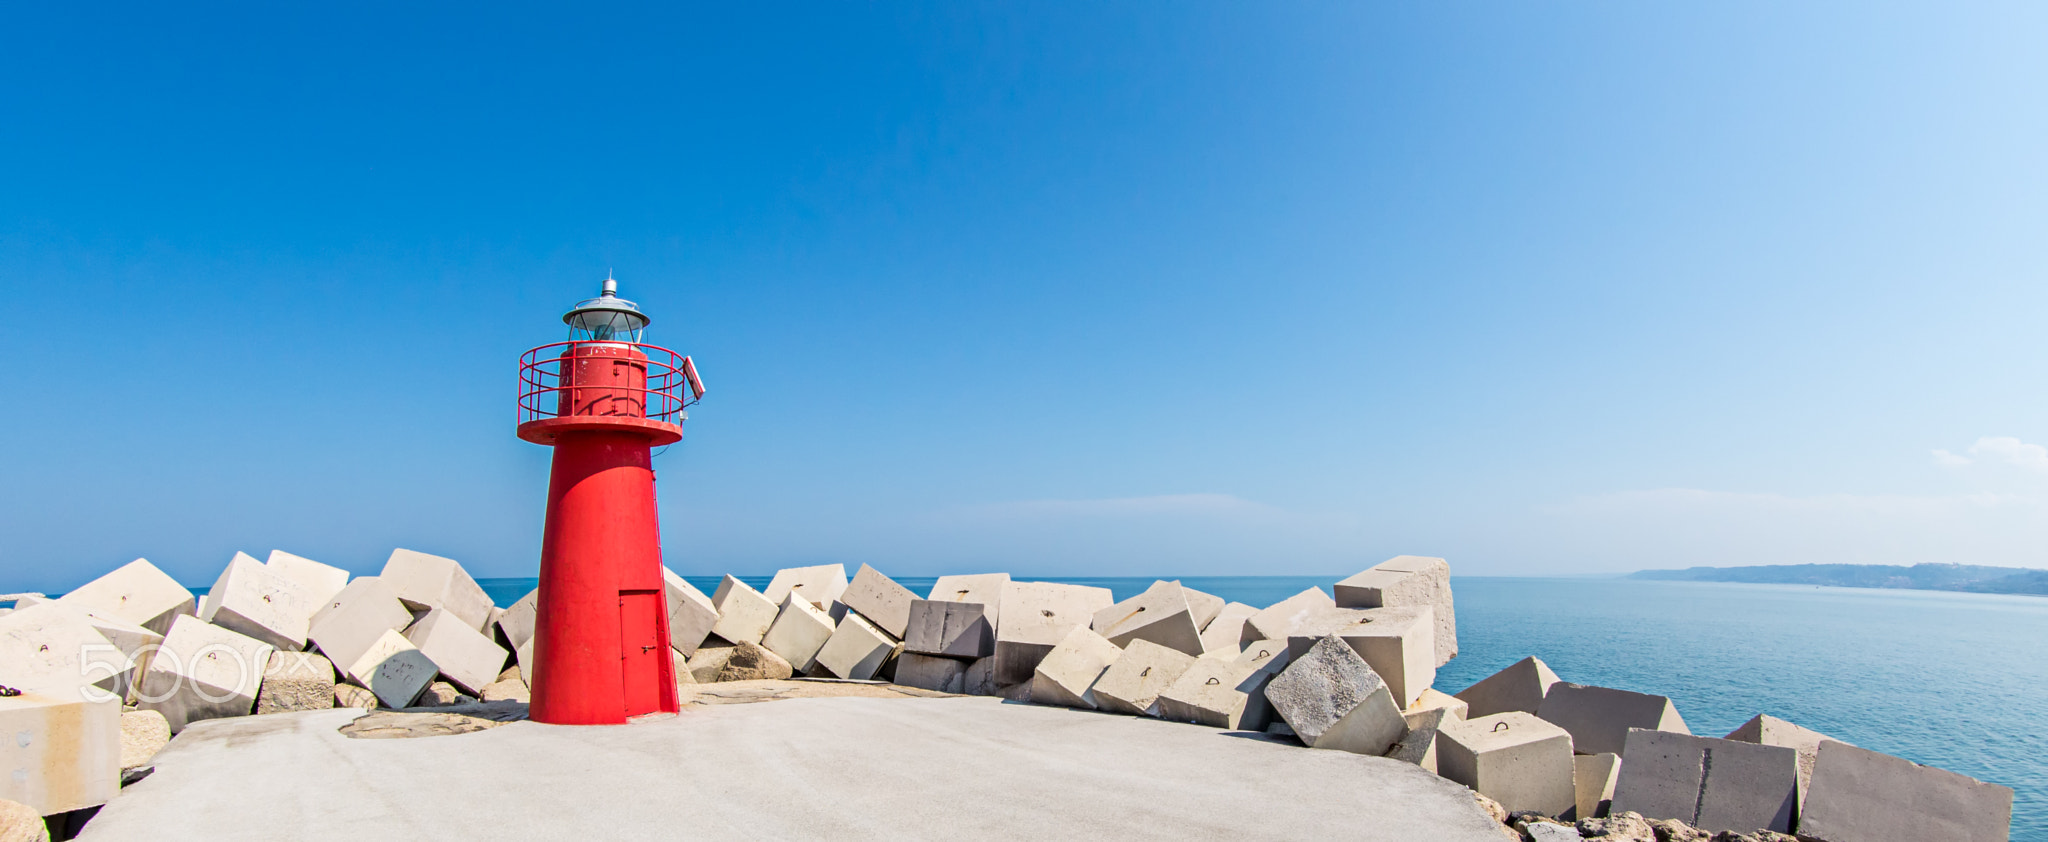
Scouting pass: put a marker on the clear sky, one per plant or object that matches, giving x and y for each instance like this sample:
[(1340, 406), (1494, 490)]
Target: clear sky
[(1060, 289)]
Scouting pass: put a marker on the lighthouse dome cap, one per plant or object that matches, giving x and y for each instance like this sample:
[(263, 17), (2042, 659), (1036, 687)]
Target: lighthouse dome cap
[(607, 310)]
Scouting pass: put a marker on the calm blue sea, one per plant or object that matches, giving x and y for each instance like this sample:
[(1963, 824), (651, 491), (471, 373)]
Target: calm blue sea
[(1958, 681)]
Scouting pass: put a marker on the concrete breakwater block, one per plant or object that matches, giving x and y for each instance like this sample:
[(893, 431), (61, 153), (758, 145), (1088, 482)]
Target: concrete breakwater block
[(1593, 779), (1432, 698), (983, 589), (1514, 758), (320, 581), (252, 599), (1134, 681), (1223, 693), (425, 582), (931, 672), (1203, 607), (355, 619), (820, 585), (516, 624), (1599, 718), (1519, 687), (143, 734), (352, 696), (1772, 731), (1864, 796), (1067, 674), (395, 670), (1418, 745), (1397, 642), (1222, 637), (53, 646), (136, 592), (856, 649), (744, 614), (1333, 700), (1711, 784), (1035, 617), (1161, 615), (799, 631), (1306, 614), (1408, 582), (691, 615), (296, 681), (880, 599), (203, 672), (463, 655), (61, 753), (950, 629)]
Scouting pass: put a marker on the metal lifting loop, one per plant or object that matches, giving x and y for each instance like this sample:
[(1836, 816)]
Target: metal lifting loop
[(1499, 727)]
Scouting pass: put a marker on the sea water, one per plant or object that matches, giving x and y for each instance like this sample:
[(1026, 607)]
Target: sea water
[(1954, 680)]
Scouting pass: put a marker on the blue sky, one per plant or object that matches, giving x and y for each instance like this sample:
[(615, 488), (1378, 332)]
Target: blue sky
[(1060, 289)]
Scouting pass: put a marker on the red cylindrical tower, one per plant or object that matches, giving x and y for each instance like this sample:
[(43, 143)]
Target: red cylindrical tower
[(603, 400)]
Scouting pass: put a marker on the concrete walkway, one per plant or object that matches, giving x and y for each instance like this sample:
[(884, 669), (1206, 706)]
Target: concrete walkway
[(807, 768)]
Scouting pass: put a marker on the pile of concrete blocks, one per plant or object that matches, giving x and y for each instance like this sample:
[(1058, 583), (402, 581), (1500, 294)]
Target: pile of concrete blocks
[(950, 637)]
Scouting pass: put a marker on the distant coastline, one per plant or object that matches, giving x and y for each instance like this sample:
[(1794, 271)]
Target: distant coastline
[(1926, 577)]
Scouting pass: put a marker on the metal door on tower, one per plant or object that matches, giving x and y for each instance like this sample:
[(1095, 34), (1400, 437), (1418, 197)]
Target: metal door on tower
[(641, 637)]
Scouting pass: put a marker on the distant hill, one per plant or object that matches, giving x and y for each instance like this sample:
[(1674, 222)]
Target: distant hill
[(1926, 577)]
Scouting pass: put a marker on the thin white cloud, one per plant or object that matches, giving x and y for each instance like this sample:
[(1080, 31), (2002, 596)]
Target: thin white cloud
[(1204, 505), (1950, 460), (2011, 451)]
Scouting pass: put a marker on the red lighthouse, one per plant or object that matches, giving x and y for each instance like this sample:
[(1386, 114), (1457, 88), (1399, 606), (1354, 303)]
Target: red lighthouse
[(603, 400)]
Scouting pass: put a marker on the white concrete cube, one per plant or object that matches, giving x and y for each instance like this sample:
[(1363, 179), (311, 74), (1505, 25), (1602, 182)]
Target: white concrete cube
[(1432, 699), (1067, 674), (61, 752), (820, 585), (1223, 636), (1134, 681), (950, 629), (984, 589), (744, 615), (1333, 700), (1404, 582), (1212, 692), (856, 650), (690, 614), (524, 655), (394, 669), (516, 623), (136, 592), (1864, 796), (55, 650), (1036, 616), (425, 582), (252, 599), (1418, 746), (354, 619), (1520, 686), (1205, 607), (1286, 618), (1772, 731), (799, 631), (1160, 615), (464, 656), (202, 672), (1593, 779), (880, 599), (320, 581), (1399, 643), (1599, 718), (134, 642), (1514, 758)]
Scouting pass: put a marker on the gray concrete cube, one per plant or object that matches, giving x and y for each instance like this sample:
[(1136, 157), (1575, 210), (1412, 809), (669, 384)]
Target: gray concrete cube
[(1036, 616), (1204, 607), (1599, 718), (203, 672), (1287, 617), (1514, 758), (878, 598), (1408, 581), (984, 589), (1135, 679), (395, 670), (691, 615), (1519, 687), (950, 629), (1711, 784), (800, 630), (1222, 637), (1333, 700), (1418, 745), (931, 672), (1593, 779), (516, 624), (1399, 643), (1772, 731), (1863, 796), (856, 649), (136, 592), (355, 619), (425, 582), (1161, 615)]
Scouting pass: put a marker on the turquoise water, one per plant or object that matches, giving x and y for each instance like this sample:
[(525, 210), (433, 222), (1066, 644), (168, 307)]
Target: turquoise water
[(1958, 681)]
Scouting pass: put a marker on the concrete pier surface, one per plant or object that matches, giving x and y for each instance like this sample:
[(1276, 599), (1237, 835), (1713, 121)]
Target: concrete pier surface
[(799, 768)]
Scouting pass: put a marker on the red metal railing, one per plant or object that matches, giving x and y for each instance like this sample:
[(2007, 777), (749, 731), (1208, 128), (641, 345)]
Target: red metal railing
[(592, 378)]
